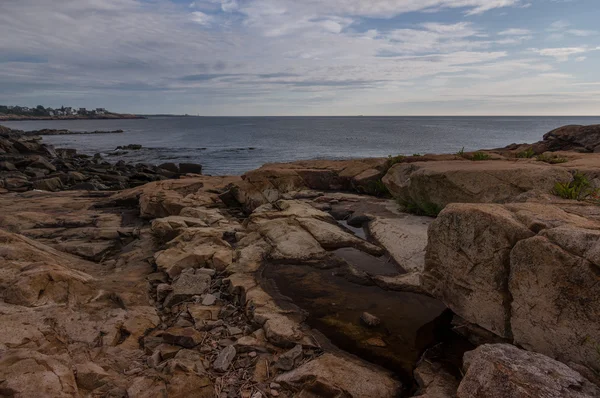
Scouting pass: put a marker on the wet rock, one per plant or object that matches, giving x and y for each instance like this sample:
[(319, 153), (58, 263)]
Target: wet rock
[(172, 167), (186, 286), (289, 359), (184, 337), (502, 370), (190, 168), (329, 375), (370, 319), (224, 359)]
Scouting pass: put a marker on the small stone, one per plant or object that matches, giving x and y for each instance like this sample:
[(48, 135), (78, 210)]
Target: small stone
[(289, 359), (223, 361), (155, 359), (275, 386), (162, 290), (274, 393), (370, 319), (206, 271), (252, 354), (184, 337), (376, 342), (209, 299), (257, 394), (234, 331)]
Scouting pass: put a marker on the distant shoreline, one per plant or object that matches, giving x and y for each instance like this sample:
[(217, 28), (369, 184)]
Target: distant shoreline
[(112, 116)]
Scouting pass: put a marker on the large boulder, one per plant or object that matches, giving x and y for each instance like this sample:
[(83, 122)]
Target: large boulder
[(467, 262), (526, 272), (504, 371), (573, 138), (437, 184)]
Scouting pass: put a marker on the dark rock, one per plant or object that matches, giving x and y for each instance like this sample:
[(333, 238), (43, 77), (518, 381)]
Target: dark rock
[(172, 167), (358, 220), (132, 147), (7, 166), (190, 168), (184, 337), (40, 162), (290, 359), (48, 184), (89, 186)]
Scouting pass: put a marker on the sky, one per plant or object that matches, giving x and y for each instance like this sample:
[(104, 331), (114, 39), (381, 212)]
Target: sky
[(303, 57)]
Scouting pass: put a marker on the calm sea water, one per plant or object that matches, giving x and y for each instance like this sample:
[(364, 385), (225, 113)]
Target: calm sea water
[(234, 145)]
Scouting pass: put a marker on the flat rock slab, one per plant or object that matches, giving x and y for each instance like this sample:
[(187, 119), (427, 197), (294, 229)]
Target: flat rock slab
[(186, 286), (404, 237)]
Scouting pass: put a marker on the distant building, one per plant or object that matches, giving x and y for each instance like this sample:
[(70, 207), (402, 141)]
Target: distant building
[(100, 111), (82, 110), (51, 113)]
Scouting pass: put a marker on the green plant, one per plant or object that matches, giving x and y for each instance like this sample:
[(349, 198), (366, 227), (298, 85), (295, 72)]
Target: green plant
[(424, 208), (527, 154), (578, 189), (417, 154), (480, 156), (552, 159), (461, 153), (392, 160), (374, 188)]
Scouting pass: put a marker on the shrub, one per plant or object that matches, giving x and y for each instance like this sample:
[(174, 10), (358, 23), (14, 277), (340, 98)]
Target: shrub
[(480, 156), (552, 159), (392, 160), (461, 153), (376, 188), (417, 154), (578, 189), (420, 208), (527, 154)]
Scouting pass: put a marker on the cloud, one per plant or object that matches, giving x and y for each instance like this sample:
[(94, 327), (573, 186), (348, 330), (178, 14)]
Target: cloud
[(515, 32), (562, 53), (228, 56)]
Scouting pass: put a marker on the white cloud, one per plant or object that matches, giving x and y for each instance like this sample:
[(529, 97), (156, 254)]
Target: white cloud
[(561, 53), (238, 56), (515, 32)]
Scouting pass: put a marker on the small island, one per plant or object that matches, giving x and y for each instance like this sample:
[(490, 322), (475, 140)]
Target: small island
[(16, 112)]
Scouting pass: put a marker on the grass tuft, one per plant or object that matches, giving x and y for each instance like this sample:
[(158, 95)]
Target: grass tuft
[(579, 188), (480, 156), (527, 154), (552, 159), (420, 208)]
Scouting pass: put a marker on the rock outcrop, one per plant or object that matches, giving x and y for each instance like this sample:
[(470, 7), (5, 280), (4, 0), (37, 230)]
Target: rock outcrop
[(27, 164), (526, 272), (437, 184), (503, 371)]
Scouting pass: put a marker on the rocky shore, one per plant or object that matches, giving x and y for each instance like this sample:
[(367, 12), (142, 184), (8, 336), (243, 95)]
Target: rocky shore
[(28, 164), (465, 275), (68, 132)]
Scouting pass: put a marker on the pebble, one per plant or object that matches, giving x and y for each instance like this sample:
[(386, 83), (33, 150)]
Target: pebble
[(209, 299), (223, 361), (370, 319), (252, 354), (274, 393), (275, 386)]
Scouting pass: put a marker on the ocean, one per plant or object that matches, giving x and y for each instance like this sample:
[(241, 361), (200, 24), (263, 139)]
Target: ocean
[(234, 145)]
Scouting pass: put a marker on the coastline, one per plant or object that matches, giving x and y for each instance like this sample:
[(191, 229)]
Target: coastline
[(182, 273), (7, 118)]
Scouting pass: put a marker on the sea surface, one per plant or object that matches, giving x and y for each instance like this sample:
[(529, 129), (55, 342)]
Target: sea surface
[(234, 145)]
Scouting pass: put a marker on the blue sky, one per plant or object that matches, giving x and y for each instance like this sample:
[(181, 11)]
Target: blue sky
[(309, 57)]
